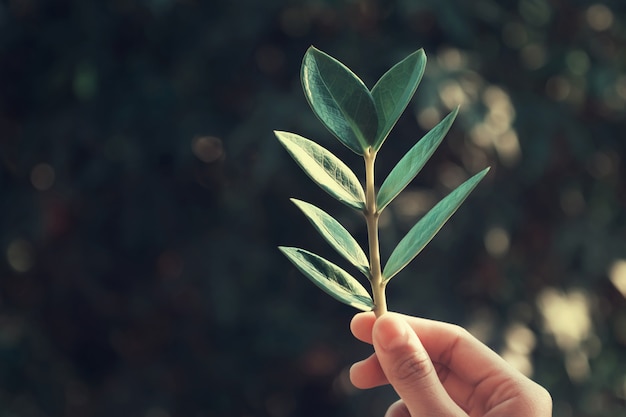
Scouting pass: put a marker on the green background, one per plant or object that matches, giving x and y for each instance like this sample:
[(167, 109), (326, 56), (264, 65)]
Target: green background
[(143, 197)]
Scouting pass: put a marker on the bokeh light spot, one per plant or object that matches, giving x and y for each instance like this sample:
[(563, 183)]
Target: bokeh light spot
[(620, 87), (535, 12), (572, 201), (558, 88), (85, 82), (451, 58), (20, 255), (452, 94), (599, 17), (617, 275), (520, 343), (42, 177), (428, 117), (520, 338), (533, 56), (497, 241), (578, 62), (566, 316), (207, 148), (412, 203), (602, 164)]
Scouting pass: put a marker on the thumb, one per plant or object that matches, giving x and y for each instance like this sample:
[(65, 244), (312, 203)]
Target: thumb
[(408, 368)]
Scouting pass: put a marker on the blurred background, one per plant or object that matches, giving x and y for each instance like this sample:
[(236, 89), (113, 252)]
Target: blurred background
[(143, 197)]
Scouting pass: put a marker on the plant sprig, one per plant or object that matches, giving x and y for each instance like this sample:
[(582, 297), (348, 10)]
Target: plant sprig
[(362, 119)]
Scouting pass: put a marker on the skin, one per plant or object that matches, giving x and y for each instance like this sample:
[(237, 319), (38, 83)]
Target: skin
[(439, 369)]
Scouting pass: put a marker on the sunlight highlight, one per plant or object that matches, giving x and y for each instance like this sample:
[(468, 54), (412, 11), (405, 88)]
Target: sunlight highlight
[(497, 241), (617, 275), (520, 343), (496, 130), (567, 318)]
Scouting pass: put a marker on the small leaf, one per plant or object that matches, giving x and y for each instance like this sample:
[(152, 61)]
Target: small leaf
[(411, 163), (336, 235), (339, 99), (428, 226), (325, 169), (330, 278), (393, 92)]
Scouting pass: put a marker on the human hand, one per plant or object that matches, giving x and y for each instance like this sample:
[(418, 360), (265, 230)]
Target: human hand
[(444, 372)]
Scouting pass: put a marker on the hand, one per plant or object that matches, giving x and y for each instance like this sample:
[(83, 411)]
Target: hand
[(443, 372)]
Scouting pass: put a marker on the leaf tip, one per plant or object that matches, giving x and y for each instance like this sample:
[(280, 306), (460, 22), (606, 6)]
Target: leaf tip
[(297, 202)]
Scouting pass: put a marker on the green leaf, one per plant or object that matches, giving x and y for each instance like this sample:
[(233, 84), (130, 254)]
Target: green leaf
[(420, 234), (340, 100), (336, 235), (411, 163), (393, 92), (325, 169), (330, 278)]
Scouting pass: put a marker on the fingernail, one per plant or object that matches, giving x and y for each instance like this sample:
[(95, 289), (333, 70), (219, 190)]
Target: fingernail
[(392, 333)]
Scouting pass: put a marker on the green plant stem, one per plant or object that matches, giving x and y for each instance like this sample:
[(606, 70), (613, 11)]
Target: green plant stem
[(371, 217)]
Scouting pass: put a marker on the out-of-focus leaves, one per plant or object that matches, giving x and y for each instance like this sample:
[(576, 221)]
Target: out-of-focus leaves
[(156, 118)]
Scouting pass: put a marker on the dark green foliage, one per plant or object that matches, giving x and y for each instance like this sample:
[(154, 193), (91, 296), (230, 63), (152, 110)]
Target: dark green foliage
[(345, 105)]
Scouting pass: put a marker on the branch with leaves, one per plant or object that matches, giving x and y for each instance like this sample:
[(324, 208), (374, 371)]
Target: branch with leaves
[(362, 119)]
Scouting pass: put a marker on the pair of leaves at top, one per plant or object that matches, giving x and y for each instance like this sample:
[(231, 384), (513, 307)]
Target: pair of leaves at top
[(358, 117), (362, 120)]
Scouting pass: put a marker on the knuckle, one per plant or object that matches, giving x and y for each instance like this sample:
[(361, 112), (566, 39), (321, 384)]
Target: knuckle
[(459, 331), (413, 368)]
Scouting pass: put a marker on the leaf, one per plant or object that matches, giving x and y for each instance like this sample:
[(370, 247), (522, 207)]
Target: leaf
[(336, 235), (428, 226), (325, 169), (339, 99), (393, 92), (330, 278), (411, 163)]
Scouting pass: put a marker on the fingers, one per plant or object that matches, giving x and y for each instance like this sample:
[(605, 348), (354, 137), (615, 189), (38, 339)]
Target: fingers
[(398, 409), (408, 367), (362, 325), (368, 373), (449, 346), (473, 375)]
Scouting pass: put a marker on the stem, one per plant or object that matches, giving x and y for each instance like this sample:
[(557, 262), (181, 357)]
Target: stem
[(371, 217)]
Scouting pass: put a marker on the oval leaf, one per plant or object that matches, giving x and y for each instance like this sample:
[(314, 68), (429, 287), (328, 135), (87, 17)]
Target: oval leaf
[(393, 92), (336, 235), (428, 226), (330, 278), (339, 99), (411, 163), (325, 169)]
